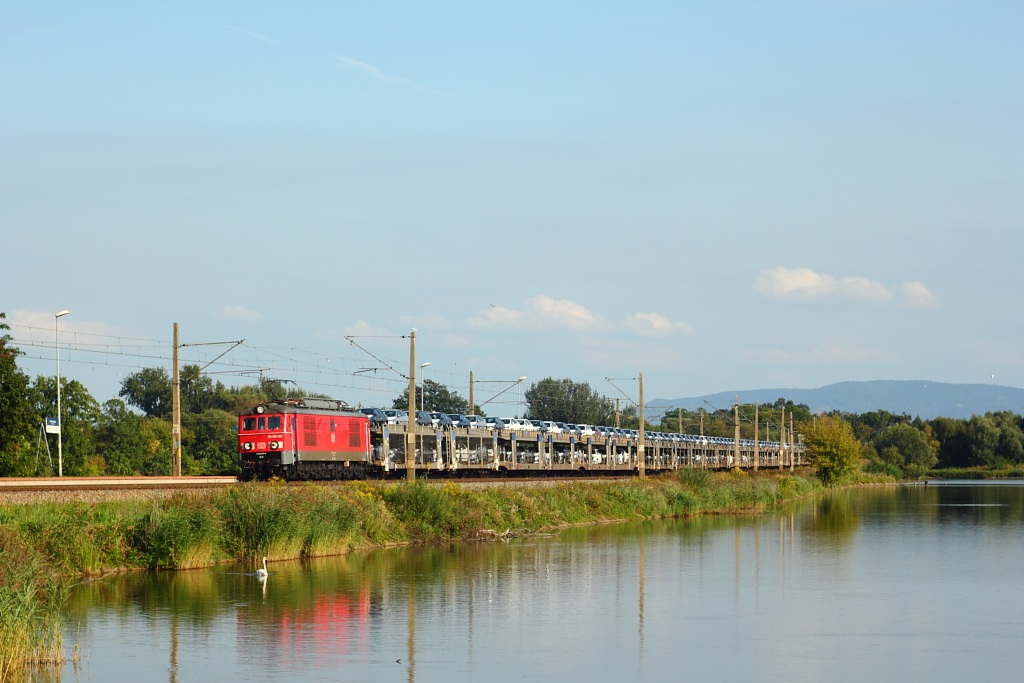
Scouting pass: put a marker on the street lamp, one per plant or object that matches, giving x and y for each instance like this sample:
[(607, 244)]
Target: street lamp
[(519, 387), (423, 387), (60, 422)]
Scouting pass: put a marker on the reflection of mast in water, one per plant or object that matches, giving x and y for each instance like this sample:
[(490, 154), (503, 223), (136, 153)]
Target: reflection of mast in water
[(736, 543), (783, 534), (174, 646), (641, 572), (410, 655), (738, 559), (757, 559)]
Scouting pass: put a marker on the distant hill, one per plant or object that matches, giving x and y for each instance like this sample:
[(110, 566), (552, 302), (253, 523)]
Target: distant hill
[(917, 398)]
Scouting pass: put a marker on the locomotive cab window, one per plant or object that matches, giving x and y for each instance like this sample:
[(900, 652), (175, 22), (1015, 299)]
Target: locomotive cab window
[(273, 422)]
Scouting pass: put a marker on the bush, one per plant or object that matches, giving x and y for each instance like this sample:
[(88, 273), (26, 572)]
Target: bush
[(881, 467)]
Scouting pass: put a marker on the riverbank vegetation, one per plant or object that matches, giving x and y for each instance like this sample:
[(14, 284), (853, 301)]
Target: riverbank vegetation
[(246, 522), (43, 546)]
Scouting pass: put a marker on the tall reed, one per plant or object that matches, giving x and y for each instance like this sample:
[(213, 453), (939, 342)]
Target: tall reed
[(32, 594), (178, 534), (256, 524), (327, 521)]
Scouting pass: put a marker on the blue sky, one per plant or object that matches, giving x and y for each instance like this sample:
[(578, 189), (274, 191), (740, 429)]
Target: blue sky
[(721, 195)]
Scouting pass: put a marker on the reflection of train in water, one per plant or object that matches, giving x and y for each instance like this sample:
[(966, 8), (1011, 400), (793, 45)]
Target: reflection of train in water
[(324, 439)]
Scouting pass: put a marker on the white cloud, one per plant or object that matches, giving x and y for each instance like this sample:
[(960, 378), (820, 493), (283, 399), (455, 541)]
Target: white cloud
[(498, 316), (43, 322), (805, 284), (539, 312), (864, 289), (361, 328), (800, 283), (655, 325), (561, 311), (916, 295), (240, 313)]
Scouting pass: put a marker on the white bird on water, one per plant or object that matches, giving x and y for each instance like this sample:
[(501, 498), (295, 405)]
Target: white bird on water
[(261, 572)]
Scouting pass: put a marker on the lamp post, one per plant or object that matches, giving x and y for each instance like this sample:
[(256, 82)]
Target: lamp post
[(519, 391), (60, 422), (423, 387)]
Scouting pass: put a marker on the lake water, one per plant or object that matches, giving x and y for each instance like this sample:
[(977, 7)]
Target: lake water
[(907, 583)]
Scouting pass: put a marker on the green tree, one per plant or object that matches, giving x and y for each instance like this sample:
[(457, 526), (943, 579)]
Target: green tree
[(953, 442), (984, 439), (155, 458), (799, 411), (1011, 439), (719, 422), (120, 439), (434, 397), (906, 447), (199, 392), (18, 422), (149, 390), (237, 400), (831, 447), (211, 441), (563, 400), (81, 415)]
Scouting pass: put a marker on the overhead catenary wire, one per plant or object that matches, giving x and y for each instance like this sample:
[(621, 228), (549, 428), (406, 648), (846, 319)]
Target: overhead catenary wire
[(314, 369)]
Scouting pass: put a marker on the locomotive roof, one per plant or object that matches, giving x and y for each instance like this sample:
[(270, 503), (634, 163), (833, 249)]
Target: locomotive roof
[(306, 405)]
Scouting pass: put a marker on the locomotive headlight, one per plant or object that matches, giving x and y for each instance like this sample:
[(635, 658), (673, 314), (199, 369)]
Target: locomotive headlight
[(247, 446), (274, 445)]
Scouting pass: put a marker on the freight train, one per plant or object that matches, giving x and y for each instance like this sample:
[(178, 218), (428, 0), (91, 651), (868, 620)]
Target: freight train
[(321, 439)]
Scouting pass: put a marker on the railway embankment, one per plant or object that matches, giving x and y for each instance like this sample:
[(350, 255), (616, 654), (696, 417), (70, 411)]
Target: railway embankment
[(45, 546)]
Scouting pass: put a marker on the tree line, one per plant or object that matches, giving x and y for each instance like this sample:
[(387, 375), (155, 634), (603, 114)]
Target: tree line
[(127, 435), (131, 434)]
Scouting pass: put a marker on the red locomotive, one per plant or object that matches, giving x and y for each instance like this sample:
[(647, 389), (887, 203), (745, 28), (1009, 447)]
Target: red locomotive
[(310, 438)]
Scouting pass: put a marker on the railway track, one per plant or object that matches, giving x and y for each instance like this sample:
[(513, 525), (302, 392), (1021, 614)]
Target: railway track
[(98, 488), (111, 483), (130, 483)]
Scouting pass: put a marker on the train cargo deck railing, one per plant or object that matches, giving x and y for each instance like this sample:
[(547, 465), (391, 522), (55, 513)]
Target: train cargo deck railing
[(460, 447)]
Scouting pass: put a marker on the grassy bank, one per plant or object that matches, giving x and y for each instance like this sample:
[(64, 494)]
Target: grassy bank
[(976, 473), (44, 545)]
